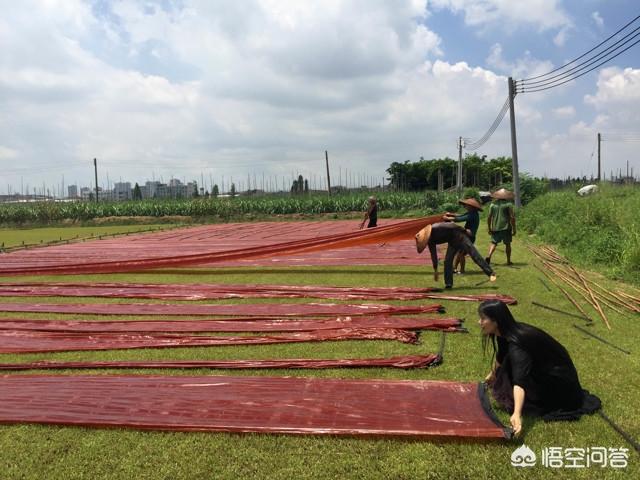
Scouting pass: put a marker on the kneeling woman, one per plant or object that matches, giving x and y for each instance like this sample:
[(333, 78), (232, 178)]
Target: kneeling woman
[(533, 373)]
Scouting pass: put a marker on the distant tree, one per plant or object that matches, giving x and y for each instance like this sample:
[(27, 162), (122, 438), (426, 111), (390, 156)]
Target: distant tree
[(300, 184), (215, 191), (306, 186), (195, 192), (206, 194), (137, 194), (232, 192), (294, 187)]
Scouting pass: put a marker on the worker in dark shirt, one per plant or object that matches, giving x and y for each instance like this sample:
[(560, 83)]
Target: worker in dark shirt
[(371, 214), (533, 373), (472, 223), (457, 240)]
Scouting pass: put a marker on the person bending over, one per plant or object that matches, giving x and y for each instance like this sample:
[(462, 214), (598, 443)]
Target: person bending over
[(457, 240), (532, 373), (472, 222)]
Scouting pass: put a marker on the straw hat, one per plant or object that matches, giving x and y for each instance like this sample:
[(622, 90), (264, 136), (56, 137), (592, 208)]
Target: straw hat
[(502, 194), (472, 202), (422, 238)]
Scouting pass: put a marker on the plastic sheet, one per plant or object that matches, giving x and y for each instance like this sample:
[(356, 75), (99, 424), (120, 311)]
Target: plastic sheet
[(245, 309), (253, 325), (145, 259), (222, 291), (30, 341), (250, 404), (407, 361)]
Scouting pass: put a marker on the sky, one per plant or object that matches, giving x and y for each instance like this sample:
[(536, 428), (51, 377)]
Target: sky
[(241, 90)]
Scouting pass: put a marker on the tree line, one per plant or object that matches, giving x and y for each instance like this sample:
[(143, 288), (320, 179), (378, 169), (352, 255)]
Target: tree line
[(477, 172)]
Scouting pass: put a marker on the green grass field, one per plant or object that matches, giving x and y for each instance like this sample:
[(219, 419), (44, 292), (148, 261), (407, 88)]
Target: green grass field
[(34, 451)]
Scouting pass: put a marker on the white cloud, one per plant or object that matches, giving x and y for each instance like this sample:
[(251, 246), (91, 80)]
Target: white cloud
[(561, 37), (230, 88), (617, 88), (597, 19), (541, 14), (526, 66), (564, 112)]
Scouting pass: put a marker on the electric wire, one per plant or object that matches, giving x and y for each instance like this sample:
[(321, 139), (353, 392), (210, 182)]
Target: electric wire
[(563, 74), (469, 145), (587, 62), (522, 88), (584, 54)]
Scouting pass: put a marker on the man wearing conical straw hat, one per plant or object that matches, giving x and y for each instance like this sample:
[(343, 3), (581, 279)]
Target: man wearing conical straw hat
[(501, 222), (458, 239), (472, 223)]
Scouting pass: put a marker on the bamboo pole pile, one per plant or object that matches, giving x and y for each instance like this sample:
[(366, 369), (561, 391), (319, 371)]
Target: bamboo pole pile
[(560, 272)]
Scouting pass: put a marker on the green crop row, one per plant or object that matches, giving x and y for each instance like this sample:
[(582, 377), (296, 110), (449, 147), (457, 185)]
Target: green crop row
[(48, 212)]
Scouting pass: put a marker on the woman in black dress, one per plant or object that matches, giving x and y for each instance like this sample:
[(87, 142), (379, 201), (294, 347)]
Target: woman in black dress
[(533, 373)]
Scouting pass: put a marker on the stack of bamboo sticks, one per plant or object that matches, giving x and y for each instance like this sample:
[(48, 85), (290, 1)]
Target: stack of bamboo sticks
[(558, 270)]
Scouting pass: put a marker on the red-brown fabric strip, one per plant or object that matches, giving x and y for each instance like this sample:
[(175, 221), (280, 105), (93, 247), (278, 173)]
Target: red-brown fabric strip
[(245, 309), (29, 341), (250, 404), (253, 325), (407, 361), (222, 291), (398, 231)]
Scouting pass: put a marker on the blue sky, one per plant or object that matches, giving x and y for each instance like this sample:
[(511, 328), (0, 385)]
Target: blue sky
[(204, 89)]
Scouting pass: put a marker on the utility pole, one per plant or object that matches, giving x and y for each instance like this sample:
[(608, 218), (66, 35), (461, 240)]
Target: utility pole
[(459, 182), (326, 157), (514, 145), (95, 169), (599, 140)]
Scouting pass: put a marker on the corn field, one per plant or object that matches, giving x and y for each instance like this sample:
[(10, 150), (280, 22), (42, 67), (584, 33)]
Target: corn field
[(48, 212)]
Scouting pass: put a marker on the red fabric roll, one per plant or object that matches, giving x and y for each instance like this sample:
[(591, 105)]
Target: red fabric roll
[(407, 361), (29, 341), (247, 310)]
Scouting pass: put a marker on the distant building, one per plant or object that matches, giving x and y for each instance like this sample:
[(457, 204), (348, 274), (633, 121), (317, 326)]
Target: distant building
[(87, 193), (72, 191), (122, 191)]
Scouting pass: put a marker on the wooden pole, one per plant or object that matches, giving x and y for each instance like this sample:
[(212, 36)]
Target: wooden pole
[(326, 157), (514, 145)]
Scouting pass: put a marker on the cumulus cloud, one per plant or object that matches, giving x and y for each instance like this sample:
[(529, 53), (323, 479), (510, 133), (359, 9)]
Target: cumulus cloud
[(597, 19), (564, 112), (541, 14), (615, 103), (526, 66), (234, 88)]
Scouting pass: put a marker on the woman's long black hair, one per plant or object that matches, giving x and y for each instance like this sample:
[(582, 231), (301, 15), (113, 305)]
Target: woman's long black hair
[(498, 312), (528, 337)]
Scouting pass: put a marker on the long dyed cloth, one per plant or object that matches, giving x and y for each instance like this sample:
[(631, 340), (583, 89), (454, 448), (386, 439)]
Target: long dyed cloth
[(251, 404), (253, 325), (246, 310), (222, 291), (389, 233), (407, 361), (30, 341)]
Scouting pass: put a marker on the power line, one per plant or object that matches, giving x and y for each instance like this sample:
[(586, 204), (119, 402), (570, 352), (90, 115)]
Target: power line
[(586, 63), (523, 88), (584, 54), (469, 145), (548, 81)]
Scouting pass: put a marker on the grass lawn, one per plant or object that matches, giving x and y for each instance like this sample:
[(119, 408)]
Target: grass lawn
[(39, 236), (34, 451)]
